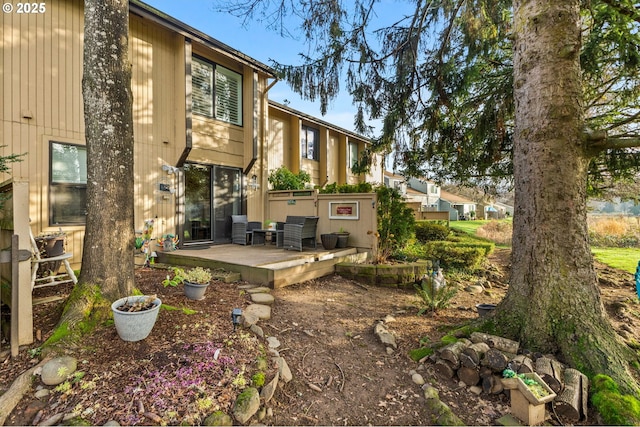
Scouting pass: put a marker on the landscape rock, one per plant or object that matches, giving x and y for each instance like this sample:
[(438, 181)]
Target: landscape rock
[(258, 290), (218, 418), (57, 370), (249, 319), (283, 369), (263, 312), (42, 393), (273, 342), (246, 405), (417, 379), (111, 423), (384, 335), (269, 390), (262, 298), (257, 330)]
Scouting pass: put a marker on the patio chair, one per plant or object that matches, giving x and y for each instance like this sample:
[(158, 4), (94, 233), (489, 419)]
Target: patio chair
[(52, 278), (300, 230), (242, 230)]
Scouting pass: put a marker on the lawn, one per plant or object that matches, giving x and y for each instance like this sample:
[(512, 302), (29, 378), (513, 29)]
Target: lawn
[(468, 226), (622, 258)]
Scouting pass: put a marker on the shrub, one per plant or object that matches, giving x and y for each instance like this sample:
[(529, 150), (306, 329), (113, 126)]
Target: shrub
[(283, 179), (395, 222), (458, 256), (363, 187), (427, 231)]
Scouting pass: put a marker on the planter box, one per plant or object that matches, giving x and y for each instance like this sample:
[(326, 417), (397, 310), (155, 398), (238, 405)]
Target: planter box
[(529, 414), (526, 391)]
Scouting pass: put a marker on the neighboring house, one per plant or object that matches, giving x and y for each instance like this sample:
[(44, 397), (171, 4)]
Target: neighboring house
[(494, 210), (204, 136), (325, 151), (421, 195), (457, 206)]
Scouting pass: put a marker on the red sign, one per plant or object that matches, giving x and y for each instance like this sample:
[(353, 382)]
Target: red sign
[(344, 210)]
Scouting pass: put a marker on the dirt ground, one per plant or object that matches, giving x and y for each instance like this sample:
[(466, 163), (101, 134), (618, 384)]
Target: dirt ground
[(194, 363)]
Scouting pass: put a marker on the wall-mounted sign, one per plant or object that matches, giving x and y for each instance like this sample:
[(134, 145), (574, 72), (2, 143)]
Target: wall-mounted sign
[(344, 210), (291, 201)]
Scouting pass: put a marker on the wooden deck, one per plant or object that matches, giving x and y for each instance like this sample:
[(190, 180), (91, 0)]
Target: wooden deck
[(264, 264)]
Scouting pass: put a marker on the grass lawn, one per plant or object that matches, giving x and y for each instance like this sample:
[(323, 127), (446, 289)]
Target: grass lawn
[(468, 226), (622, 258)]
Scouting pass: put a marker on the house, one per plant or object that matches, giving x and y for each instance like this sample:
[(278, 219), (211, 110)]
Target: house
[(205, 133), (457, 206)]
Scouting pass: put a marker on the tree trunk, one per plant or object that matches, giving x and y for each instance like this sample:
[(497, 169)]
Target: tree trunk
[(109, 238), (107, 261), (553, 301)]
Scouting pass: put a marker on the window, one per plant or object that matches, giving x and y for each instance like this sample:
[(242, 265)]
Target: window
[(68, 184), (310, 143), (216, 92), (353, 154)]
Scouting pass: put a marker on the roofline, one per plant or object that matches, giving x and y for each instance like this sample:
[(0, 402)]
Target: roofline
[(315, 120), (149, 12)]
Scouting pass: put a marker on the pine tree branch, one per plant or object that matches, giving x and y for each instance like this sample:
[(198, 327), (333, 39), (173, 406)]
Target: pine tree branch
[(629, 12)]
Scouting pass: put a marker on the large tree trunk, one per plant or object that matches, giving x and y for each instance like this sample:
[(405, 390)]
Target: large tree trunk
[(553, 303), (108, 242)]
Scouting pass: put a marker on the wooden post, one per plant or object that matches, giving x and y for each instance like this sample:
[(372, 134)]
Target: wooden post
[(15, 276)]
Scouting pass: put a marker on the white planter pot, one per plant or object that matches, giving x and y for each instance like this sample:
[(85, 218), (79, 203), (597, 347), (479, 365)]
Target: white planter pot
[(135, 325)]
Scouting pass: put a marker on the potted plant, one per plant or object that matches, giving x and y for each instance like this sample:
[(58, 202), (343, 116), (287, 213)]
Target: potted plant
[(343, 238), (329, 240), (134, 316), (195, 281)]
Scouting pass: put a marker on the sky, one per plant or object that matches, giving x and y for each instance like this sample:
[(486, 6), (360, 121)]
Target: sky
[(261, 44)]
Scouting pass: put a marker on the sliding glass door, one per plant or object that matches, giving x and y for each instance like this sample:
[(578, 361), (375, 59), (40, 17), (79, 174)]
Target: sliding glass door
[(212, 195)]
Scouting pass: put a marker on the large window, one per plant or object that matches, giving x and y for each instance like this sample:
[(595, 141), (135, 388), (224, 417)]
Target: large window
[(217, 91), (310, 143), (68, 184)]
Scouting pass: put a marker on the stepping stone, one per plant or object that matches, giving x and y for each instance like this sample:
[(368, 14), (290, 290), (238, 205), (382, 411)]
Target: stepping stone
[(262, 311), (258, 290), (262, 298)]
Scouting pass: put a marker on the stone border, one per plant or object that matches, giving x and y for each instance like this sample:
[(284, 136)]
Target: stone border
[(387, 275)]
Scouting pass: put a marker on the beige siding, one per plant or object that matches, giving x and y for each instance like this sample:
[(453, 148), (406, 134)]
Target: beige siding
[(41, 66), (278, 138), (40, 84), (158, 114)]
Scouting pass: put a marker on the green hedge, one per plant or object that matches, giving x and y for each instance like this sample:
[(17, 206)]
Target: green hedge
[(427, 231), (456, 256)]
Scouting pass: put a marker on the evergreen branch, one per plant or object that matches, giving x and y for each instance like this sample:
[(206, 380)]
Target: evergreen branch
[(623, 10)]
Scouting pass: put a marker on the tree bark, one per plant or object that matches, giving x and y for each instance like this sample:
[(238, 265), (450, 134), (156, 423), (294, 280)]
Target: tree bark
[(109, 237), (553, 302)]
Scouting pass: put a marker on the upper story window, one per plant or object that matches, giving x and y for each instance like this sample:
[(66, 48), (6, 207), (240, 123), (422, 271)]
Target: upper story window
[(310, 143), (68, 184), (353, 154), (216, 91)]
